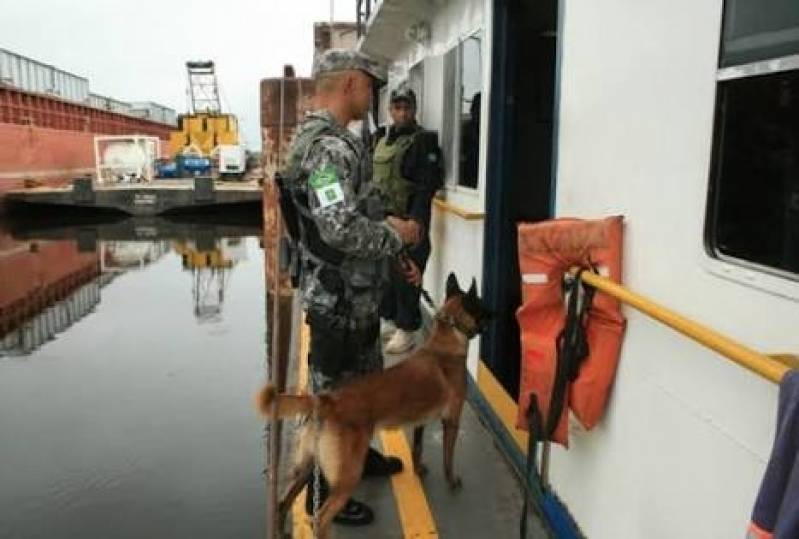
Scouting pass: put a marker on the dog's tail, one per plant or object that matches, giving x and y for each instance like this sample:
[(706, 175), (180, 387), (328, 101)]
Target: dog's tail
[(269, 402)]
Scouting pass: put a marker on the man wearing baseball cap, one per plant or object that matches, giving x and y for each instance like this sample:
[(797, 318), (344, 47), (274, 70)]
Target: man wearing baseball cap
[(346, 242), (407, 172)]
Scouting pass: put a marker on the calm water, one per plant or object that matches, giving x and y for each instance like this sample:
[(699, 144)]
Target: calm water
[(126, 393)]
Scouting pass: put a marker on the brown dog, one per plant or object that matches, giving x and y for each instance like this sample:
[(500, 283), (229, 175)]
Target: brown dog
[(429, 384)]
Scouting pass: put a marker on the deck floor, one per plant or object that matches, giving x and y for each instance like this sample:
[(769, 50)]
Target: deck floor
[(488, 504)]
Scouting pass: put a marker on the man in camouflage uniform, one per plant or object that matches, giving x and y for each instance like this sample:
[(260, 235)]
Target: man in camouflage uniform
[(347, 242)]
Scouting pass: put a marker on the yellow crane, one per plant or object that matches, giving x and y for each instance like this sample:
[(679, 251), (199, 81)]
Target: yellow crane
[(205, 127)]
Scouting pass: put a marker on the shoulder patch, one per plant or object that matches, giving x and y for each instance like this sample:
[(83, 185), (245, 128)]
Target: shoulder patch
[(325, 183)]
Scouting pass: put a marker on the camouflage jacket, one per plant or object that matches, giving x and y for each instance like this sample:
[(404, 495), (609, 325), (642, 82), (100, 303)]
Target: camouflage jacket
[(331, 167)]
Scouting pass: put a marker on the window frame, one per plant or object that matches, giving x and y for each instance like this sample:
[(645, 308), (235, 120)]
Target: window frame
[(453, 103), (768, 278)]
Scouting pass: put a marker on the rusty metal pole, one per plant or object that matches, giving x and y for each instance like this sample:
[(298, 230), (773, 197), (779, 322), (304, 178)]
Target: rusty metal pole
[(275, 360)]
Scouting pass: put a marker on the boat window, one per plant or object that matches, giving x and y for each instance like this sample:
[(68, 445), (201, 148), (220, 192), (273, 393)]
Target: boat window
[(449, 125), (463, 76), (756, 30), (382, 106), (753, 203), (471, 79), (416, 81)]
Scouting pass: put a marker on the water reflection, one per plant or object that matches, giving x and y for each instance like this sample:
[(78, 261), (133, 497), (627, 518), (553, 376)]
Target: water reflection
[(129, 353), (52, 277), (122, 256), (31, 333), (211, 267)]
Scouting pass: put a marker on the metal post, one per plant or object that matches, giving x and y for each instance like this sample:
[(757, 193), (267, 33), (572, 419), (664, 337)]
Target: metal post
[(358, 18), (544, 471), (275, 425)]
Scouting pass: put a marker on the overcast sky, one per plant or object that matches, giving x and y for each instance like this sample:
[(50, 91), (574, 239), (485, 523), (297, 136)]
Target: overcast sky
[(136, 50)]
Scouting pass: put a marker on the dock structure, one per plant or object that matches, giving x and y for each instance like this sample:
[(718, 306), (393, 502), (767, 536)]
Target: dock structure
[(86, 235), (142, 199)]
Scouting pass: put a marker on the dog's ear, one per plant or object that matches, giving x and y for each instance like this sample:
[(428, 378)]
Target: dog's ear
[(473, 289), (453, 287)]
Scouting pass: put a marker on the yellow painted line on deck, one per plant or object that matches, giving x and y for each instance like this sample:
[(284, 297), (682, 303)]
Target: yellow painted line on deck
[(502, 403), (414, 511)]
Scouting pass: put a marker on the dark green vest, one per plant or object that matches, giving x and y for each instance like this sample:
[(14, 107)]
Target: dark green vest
[(394, 189)]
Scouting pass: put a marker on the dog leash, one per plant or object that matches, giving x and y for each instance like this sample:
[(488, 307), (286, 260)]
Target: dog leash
[(427, 298), (405, 258)]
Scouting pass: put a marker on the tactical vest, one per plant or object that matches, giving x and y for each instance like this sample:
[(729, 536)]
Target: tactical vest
[(394, 189)]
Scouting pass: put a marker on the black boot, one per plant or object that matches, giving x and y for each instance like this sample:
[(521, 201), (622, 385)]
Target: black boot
[(379, 465), (354, 513)]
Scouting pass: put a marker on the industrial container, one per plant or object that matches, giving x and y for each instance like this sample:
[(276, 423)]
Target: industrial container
[(109, 103), (192, 165), (231, 159), (27, 74), (153, 112), (166, 168)]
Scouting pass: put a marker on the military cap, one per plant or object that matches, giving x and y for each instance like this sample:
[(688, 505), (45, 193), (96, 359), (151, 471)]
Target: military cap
[(335, 60), (404, 92)]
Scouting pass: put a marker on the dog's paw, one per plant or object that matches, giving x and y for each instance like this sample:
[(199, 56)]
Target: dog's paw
[(420, 469), (455, 483)]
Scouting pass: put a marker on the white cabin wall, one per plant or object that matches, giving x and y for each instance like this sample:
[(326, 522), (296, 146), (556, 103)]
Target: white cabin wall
[(683, 447), (457, 243)]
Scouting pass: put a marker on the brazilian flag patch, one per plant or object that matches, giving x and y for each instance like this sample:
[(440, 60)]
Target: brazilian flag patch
[(325, 183)]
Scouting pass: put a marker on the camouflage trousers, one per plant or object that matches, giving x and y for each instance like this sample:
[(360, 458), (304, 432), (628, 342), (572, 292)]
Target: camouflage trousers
[(338, 355)]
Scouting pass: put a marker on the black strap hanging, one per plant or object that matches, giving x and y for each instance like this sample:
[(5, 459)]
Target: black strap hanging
[(572, 349), (532, 486), (572, 346)]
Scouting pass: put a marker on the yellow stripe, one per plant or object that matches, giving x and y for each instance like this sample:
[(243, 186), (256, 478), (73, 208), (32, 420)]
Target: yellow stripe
[(301, 524), (768, 368), (503, 405), (465, 214), (414, 511)]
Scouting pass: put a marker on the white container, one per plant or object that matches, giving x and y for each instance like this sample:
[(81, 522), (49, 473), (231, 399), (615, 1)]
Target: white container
[(232, 159)]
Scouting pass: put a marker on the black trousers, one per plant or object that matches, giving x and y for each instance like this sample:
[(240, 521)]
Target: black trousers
[(337, 356), (400, 302)]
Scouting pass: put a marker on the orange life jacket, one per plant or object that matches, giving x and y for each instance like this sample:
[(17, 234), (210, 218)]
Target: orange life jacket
[(547, 250)]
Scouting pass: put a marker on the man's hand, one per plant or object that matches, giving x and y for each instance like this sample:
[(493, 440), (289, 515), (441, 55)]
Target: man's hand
[(409, 230), (410, 271)]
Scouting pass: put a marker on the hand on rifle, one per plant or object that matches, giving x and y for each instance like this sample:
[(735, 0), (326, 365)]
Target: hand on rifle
[(409, 230)]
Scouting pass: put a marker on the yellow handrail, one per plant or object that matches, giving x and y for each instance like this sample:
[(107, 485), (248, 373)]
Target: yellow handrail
[(761, 364), (467, 215)]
